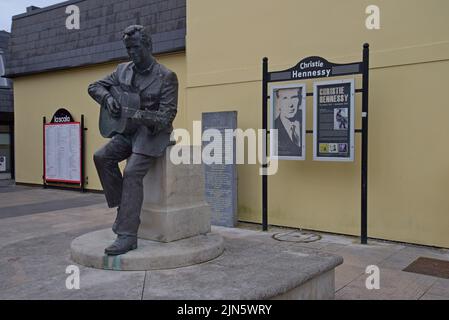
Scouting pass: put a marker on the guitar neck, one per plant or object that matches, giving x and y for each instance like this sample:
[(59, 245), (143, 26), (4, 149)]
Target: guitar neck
[(131, 111)]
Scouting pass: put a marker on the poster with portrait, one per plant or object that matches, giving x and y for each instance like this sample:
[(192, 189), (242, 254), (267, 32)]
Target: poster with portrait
[(333, 120), (288, 122)]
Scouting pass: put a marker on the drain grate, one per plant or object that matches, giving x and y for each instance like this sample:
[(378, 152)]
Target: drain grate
[(430, 267), (297, 236)]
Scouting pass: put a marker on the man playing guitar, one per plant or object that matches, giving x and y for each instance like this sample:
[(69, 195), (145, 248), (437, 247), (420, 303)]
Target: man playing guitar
[(140, 131)]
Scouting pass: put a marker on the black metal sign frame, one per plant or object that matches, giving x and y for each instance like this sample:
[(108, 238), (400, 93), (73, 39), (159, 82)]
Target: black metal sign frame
[(312, 68), (63, 116)]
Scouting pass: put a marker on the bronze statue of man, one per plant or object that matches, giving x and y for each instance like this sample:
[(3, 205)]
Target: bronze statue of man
[(157, 88)]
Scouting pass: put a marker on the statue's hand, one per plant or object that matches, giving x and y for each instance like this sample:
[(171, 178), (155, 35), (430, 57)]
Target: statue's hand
[(113, 107), (139, 114), (143, 117)]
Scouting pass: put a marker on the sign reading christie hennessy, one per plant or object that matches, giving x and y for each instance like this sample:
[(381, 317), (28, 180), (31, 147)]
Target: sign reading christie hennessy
[(314, 67), (333, 116)]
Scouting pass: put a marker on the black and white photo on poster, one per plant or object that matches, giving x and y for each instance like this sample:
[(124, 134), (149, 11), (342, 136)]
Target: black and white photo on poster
[(288, 114), (340, 118), (333, 120)]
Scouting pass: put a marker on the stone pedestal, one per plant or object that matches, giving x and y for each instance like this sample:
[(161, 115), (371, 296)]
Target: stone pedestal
[(88, 250), (175, 224), (174, 206)]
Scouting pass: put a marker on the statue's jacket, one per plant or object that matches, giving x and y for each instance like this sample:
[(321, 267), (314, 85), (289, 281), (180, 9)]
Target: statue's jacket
[(158, 89)]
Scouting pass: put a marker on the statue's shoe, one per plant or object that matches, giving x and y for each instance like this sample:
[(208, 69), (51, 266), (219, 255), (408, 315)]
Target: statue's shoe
[(121, 245)]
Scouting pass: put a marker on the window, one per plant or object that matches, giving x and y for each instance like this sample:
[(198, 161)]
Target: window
[(3, 81)]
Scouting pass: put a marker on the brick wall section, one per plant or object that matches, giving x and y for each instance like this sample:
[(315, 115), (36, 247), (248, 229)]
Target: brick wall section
[(41, 42)]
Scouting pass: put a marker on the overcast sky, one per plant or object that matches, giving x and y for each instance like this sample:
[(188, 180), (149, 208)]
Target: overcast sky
[(9, 8)]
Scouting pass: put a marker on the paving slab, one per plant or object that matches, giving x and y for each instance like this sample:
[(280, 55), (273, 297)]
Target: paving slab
[(36, 269), (346, 273), (35, 254), (20, 228), (440, 288), (369, 254), (394, 285), (25, 196), (408, 254), (9, 188), (429, 296), (49, 205)]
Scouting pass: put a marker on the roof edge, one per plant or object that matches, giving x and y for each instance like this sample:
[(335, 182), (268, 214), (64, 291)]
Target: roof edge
[(22, 74), (40, 10)]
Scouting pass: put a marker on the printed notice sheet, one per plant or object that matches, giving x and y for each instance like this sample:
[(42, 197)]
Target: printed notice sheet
[(63, 152), (334, 120)]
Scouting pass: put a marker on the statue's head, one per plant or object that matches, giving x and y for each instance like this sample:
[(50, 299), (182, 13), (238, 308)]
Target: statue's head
[(138, 43)]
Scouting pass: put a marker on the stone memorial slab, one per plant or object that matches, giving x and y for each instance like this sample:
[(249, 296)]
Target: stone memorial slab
[(221, 178)]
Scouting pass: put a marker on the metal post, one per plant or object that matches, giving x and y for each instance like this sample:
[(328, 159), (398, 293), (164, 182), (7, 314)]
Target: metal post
[(264, 127), (12, 150), (364, 202), (44, 183), (82, 153)]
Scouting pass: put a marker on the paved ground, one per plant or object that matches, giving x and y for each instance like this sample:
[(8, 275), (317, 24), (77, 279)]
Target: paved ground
[(37, 226)]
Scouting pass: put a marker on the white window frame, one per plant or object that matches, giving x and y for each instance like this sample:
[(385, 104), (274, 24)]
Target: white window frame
[(3, 81)]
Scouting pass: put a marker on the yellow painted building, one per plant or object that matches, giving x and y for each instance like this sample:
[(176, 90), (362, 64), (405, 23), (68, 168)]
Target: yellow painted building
[(220, 70), (47, 92)]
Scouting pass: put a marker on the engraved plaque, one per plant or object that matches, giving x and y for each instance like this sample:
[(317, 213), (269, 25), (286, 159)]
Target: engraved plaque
[(221, 176)]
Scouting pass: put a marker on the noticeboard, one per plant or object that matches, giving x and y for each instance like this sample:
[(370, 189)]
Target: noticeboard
[(333, 120), (62, 152)]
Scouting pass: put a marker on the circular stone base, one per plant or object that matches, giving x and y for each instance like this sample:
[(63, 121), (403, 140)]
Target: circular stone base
[(88, 250)]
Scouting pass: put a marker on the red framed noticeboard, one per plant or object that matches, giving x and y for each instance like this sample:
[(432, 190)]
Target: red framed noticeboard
[(62, 152)]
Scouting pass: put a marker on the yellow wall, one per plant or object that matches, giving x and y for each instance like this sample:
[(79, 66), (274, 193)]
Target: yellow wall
[(408, 167), (221, 70), (41, 95)]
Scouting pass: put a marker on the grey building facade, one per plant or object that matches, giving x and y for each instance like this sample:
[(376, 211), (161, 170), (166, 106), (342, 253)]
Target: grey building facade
[(6, 113), (40, 42)]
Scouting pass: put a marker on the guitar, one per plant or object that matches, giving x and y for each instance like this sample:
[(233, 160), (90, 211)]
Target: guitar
[(123, 124)]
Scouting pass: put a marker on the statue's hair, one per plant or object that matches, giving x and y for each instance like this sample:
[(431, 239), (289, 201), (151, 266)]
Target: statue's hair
[(144, 35)]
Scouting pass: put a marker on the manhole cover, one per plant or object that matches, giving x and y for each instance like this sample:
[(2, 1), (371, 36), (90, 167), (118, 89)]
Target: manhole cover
[(297, 236), (430, 267)]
